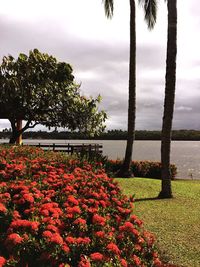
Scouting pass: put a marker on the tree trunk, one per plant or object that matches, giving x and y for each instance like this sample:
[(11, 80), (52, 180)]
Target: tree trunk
[(170, 84), (19, 128), (125, 170), (15, 135), (12, 139), (16, 131)]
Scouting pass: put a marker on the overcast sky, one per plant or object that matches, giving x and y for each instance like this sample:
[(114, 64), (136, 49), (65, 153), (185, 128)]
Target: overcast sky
[(77, 31)]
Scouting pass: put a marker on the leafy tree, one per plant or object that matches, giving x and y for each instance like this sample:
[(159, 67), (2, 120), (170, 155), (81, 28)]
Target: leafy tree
[(170, 86), (40, 90), (150, 7)]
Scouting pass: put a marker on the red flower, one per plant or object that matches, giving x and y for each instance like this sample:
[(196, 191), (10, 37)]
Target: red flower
[(92, 210), (138, 247), (13, 239), (157, 263), (2, 208), (134, 219), (129, 227), (34, 225), (16, 215), (99, 220), (141, 240), (70, 240), (65, 248), (3, 184), (96, 256), (28, 198), (73, 210), (25, 224), (124, 263), (25, 237), (84, 263), (83, 241), (113, 248), (44, 212), (47, 234), (103, 203), (5, 197), (2, 261), (56, 239), (149, 238), (137, 260), (80, 221), (100, 234), (52, 228), (71, 199)]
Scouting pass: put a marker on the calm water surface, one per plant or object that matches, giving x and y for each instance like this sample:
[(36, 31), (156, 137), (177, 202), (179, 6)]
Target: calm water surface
[(185, 154)]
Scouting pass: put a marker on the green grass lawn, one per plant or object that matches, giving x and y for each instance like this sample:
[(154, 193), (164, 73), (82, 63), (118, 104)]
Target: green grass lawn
[(175, 222)]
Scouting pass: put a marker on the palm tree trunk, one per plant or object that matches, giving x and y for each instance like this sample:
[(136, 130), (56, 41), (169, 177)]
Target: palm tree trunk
[(170, 84), (125, 170)]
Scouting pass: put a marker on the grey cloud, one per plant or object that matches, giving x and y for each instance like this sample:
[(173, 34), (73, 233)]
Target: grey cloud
[(186, 115), (150, 57), (183, 108), (109, 61)]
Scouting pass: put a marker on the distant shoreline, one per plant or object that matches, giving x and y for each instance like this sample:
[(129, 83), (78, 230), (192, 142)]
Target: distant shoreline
[(141, 135), (96, 139)]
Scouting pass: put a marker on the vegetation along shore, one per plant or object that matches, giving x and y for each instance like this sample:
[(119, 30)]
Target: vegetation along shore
[(193, 135)]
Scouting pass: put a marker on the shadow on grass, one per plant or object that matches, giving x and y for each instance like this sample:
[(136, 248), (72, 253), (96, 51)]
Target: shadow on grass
[(146, 199)]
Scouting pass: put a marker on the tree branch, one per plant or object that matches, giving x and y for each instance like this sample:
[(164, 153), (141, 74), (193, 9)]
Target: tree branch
[(28, 126)]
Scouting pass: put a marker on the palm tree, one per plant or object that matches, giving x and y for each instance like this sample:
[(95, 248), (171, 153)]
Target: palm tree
[(170, 86), (150, 8)]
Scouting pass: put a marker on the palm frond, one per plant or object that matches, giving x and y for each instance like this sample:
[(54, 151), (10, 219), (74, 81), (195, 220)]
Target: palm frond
[(150, 12), (109, 8)]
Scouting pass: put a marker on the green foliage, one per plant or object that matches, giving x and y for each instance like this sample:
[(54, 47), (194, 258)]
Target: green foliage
[(41, 90), (108, 7), (150, 12), (148, 169), (93, 157)]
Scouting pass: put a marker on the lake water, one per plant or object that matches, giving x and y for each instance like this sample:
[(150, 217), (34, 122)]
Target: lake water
[(185, 154)]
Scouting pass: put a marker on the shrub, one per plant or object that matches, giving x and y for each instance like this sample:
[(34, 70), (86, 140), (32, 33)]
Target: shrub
[(149, 169), (54, 213)]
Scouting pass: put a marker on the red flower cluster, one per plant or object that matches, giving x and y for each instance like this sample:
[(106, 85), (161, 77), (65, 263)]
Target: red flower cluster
[(2, 261), (2, 208), (13, 239), (56, 212)]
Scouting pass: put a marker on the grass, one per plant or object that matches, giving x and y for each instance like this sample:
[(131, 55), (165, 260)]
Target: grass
[(175, 222)]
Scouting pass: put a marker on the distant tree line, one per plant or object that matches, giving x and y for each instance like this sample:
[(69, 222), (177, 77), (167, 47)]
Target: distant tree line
[(193, 135)]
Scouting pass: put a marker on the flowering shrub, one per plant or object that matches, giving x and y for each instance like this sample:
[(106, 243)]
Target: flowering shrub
[(149, 169), (54, 213)]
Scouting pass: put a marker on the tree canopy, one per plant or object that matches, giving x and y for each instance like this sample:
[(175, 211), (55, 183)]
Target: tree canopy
[(40, 90)]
